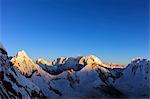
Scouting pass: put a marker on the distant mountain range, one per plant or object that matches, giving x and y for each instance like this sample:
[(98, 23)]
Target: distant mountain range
[(71, 77)]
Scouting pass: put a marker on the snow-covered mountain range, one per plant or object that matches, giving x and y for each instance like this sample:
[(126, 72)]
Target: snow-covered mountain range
[(72, 77)]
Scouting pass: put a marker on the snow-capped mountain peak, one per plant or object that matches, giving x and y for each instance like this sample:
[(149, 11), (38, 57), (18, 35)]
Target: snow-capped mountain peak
[(139, 65), (135, 79), (22, 55), (66, 63), (90, 60), (134, 60), (13, 84), (24, 64), (42, 61)]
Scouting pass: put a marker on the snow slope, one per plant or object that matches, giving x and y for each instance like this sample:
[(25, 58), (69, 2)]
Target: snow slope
[(135, 81), (92, 81)]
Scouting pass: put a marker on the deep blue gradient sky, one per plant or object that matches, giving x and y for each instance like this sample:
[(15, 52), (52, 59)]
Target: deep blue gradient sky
[(114, 30)]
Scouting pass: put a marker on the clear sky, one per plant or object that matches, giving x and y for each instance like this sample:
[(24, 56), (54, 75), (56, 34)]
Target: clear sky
[(114, 30)]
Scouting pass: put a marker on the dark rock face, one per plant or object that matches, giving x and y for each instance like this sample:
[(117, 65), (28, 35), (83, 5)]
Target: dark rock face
[(3, 51)]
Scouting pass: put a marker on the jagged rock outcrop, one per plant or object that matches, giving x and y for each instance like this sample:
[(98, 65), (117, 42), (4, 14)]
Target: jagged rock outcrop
[(2, 49)]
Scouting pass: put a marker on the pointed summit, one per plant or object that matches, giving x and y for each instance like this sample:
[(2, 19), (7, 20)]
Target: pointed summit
[(24, 64), (13, 84), (22, 54)]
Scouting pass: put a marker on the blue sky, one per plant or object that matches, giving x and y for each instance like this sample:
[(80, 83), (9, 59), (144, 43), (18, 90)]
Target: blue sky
[(114, 30)]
